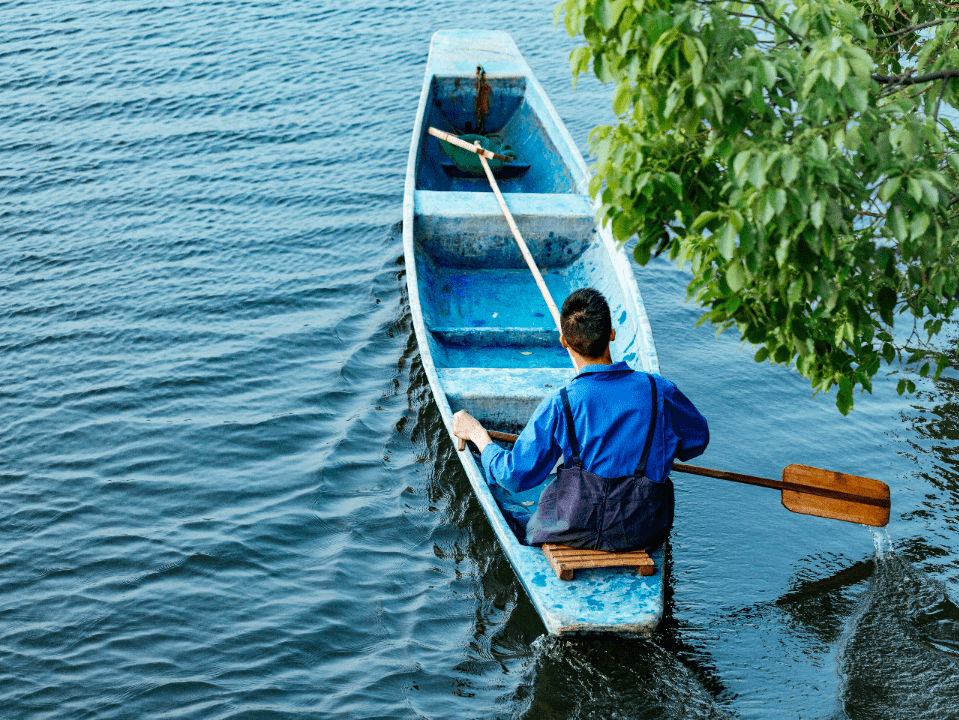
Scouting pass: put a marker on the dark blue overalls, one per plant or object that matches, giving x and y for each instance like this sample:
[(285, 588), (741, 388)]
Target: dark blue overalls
[(584, 510)]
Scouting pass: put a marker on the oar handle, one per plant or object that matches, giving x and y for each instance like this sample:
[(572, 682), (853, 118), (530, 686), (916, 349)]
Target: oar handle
[(453, 140), (493, 434)]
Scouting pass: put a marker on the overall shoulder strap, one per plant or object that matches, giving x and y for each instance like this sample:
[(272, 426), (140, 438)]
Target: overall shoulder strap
[(570, 430), (641, 468)]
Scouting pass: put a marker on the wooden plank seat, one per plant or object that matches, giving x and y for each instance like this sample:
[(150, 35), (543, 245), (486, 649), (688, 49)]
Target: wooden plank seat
[(565, 561)]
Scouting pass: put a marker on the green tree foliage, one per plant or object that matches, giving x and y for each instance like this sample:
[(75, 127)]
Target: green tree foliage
[(797, 156)]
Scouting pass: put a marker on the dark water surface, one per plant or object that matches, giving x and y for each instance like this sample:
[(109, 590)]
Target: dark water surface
[(225, 491)]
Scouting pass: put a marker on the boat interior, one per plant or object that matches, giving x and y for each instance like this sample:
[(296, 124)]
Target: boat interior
[(452, 108), (491, 337)]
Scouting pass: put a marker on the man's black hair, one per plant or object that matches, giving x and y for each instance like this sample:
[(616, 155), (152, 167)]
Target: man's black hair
[(586, 322)]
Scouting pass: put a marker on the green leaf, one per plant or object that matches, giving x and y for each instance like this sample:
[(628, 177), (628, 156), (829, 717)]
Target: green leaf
[(601, 68), (572, 20), (915, 189), (769, 73), (735, 277), (622, 98), (918, 224), (608, 11), (908, 142), (623, 228), (726, 241), (901, 387), (819, 150), (756, 174), (675, 183), (761, 354), (844, 396), (886, 299), (889, 188), (795, 291), (702, 219), (799, 20), (595, 185), (641, 253), (840, 72), (739, 166), (817, 213), (790, 168), (861, 62), (579, 61), (898, 224), (779, 200), (660, 22), (782, 252), (696, 69), (929, 191)]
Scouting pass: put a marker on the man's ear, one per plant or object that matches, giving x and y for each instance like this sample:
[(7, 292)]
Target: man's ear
[(562, 341), (612, 334)]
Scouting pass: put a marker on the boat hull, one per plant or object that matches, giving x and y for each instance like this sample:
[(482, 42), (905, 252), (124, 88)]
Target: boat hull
[(487, 342)]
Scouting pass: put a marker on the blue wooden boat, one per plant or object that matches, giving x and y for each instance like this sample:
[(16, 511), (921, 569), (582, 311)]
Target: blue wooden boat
[(486, 338)]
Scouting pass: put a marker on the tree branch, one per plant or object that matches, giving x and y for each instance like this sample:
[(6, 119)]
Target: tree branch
[(935, 115), (906, 79), (914, 28), (778, 23)]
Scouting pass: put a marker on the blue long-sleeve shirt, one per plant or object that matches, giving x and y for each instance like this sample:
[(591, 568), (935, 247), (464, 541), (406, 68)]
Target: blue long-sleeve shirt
[(611, 413)]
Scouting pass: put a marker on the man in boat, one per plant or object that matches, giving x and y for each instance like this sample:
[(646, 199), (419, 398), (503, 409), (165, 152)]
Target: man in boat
[(618, 431)]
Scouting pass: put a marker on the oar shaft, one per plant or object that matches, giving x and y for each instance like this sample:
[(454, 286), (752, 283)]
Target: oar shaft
[(748, 479), (783, 485), (723, 475), (522, 245)]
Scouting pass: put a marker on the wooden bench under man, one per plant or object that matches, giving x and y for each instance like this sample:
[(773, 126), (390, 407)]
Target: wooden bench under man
[(565, 561)]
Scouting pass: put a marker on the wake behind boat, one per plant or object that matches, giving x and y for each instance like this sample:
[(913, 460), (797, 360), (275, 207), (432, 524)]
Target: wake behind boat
[(486, 339)]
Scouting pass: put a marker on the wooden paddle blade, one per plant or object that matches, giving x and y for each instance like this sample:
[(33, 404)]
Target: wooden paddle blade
[(861, 500)]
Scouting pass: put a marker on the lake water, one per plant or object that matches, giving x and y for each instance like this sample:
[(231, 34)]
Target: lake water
[(225, 491)]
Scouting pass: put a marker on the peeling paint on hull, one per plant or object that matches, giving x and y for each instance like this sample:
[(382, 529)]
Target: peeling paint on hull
[(485, 337)]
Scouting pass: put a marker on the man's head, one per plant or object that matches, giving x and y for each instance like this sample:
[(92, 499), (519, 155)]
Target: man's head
[(586, 322)]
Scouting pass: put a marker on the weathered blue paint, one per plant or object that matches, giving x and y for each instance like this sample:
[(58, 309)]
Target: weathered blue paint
[(556, 227), (486, 338)]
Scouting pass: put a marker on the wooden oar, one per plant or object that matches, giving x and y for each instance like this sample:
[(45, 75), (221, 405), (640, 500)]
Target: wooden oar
[(540, 283), (806, 490)]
